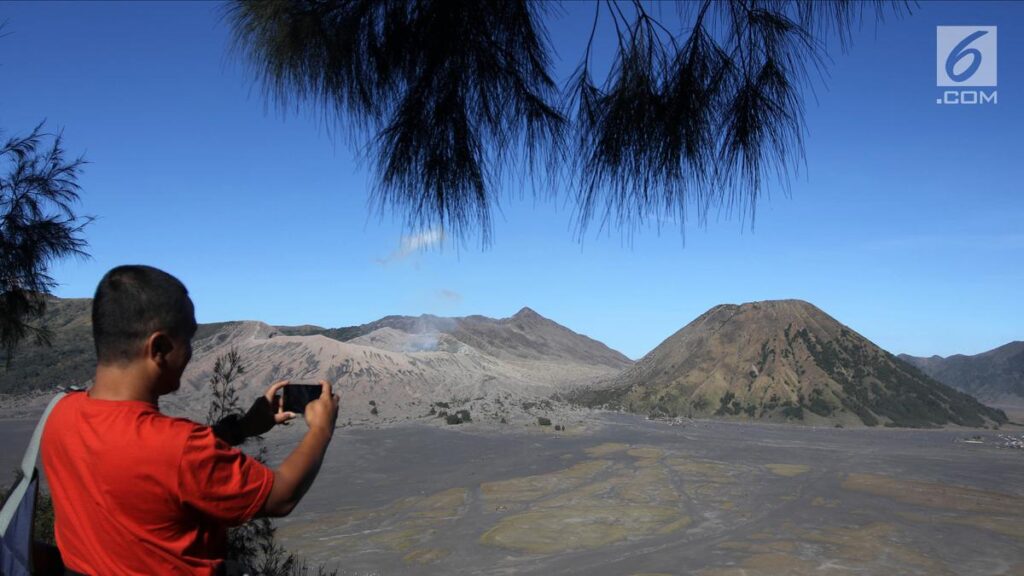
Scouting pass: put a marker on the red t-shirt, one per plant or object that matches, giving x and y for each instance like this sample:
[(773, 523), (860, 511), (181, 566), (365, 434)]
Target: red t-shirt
[(138, 492)]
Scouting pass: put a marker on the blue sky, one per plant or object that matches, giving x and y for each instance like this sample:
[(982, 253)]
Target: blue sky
[(905, 224)]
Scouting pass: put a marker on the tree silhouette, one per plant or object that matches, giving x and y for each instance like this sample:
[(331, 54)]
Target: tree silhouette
[(451, 94), (225, 401), (38, 226)]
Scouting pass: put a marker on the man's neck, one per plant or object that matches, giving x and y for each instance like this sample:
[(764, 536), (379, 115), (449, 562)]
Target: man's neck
[(123, 382)]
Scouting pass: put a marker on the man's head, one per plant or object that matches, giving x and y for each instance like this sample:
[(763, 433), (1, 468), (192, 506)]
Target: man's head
[(143, 315)]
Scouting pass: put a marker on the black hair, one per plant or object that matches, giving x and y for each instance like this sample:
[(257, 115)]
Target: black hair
[(132, 302)]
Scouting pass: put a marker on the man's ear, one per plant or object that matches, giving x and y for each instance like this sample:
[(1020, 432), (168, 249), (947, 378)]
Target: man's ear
[(158, 346)]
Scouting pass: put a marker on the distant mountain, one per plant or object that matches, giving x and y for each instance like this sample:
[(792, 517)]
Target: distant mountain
[(994, 376), (404, 365), (526, 336), (784, 360)]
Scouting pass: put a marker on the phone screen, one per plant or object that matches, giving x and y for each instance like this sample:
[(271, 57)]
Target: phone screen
[(294, 397)]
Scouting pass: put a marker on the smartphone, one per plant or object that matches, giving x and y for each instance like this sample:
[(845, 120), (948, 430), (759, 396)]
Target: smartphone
[(294, 397)]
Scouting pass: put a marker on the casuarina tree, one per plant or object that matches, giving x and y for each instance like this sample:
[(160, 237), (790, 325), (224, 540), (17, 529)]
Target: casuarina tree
[(38, 226), (701, 110)]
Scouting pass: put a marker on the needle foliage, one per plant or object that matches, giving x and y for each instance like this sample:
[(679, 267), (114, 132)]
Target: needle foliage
[(701, 110), (38, 226)]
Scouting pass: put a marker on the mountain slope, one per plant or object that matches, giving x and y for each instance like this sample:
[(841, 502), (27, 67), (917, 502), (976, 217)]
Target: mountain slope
[(526, 336), (996, 375), (400, 384), (407, 365), (784, 360), (485, 365), (69, 361)]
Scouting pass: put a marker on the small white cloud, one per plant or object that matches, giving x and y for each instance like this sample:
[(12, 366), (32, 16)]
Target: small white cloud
[(411, 244), (424, 239)]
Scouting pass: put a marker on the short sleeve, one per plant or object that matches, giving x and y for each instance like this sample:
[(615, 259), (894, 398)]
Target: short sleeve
[(221, 482)]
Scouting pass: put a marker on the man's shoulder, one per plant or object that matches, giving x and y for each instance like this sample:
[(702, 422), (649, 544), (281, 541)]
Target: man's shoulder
[(177, 425), (132, 419), (177, 432), (71, 397)]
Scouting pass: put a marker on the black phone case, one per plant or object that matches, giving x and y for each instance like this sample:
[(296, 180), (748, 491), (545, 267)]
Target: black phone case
[(295, 396)]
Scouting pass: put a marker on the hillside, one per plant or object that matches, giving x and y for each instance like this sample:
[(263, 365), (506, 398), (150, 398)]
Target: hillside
[(496, 367), (993, 376), (526, 336), (783, 361), (69, 361)]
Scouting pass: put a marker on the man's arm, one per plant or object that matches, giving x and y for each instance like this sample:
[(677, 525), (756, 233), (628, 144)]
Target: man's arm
[(229, 429), (296, 474)]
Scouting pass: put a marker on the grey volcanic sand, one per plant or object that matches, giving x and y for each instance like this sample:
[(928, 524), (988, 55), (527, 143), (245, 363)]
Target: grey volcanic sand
[(14, 437), (631, 496), (637, 497)]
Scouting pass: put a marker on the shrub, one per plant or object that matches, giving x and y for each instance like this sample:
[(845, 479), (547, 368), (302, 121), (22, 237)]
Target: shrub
[(464, 415), (699, 404), (543, 421), (819, 406), (453, 419), (791, 411), (727, 404)]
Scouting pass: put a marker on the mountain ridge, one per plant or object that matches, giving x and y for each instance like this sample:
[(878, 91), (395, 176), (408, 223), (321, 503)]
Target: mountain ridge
[(479, 331), (995, 375), (489, 366), (783, 360)]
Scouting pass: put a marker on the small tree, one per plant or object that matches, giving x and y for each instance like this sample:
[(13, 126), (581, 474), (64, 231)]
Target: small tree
[(226, 368)]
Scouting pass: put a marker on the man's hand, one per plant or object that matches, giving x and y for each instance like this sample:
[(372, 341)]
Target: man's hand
[(296, 474), (322, 413), (266, 412)]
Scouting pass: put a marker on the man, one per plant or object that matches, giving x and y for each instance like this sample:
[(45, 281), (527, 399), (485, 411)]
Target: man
[(138, 492)]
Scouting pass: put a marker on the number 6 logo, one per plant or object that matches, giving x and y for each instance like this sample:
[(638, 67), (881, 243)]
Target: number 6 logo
[(965, 55), (961, 51)]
